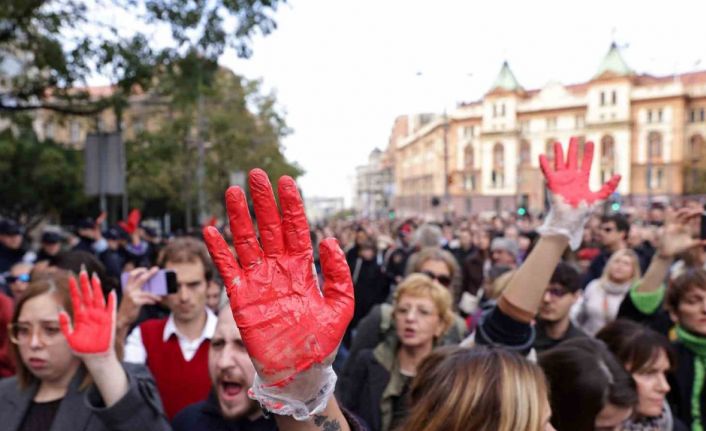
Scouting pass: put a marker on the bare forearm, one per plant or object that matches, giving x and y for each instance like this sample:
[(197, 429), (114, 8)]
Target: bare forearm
[(531, 279), (109, 377), (655, 274), (331, 419)]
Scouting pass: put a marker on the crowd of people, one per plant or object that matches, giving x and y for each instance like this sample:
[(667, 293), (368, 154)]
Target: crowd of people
[(577, 319)]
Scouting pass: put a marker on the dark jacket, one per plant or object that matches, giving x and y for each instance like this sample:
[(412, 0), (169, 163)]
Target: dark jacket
[(378, 325), (542, 341), (206, 416), (681, 381), (377, 389), (139, 409), (9, 257)]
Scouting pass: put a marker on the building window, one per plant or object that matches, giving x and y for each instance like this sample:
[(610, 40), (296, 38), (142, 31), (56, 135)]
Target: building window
[(602, 98), (525, 153), (659, 115), (614, 98), (502, 109), (701, 115), (692, 116), (607, 166), (696, 147), (495, 110), (655, 177), (468, 158), (654, 146), (549, 149), (49, 131), (649, 115), (580, 121), (551, 123), (74, 132), (467, 132), (498, 173)]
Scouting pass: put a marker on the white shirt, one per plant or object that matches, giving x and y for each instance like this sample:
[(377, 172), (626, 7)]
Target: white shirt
[(135, 351)]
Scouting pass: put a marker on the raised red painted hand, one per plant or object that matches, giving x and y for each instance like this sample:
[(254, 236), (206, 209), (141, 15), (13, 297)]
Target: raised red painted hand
[(570, 181), (94, 321), (286, 323)]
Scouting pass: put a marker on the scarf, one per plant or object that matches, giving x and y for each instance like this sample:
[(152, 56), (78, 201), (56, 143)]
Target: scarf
[(697, 345), (663, 422)]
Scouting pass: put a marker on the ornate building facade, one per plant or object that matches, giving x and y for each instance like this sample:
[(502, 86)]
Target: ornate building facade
[(650, 129)]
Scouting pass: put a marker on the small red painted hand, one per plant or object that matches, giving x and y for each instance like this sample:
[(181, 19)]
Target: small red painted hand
[(94, 321), (571, 181), (286, 323)]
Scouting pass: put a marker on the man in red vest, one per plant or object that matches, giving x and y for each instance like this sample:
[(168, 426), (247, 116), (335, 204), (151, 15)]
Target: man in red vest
[(175, 349)]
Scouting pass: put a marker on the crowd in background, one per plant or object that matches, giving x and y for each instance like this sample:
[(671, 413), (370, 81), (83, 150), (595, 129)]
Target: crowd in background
[(423, 290)]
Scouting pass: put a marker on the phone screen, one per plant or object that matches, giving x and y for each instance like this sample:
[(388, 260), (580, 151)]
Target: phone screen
[(703, 223), (164, 282)]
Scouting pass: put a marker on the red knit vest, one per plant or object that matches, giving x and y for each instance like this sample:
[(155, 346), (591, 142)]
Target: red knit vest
[(180, 383)]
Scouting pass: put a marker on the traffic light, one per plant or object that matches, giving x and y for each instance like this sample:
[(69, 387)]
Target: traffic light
[(522, 206), (615, 201), (391, 214), (615, 207)]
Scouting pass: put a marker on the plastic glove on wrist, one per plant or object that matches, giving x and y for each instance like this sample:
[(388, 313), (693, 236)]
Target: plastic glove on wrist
[(287, 325), (572, 199), (93, 327)]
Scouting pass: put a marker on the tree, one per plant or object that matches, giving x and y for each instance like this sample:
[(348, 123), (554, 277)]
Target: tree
[(46, 61), (241, 129), (39, 178)]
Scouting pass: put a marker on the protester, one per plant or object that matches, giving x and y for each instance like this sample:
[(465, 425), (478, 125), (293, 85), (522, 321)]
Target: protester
[(175, 348), (50, 245), (68, 372), (11, 250), (588, 389), (647, 356), (380, 377), (478, 389), (7, 364), (685, 300), (553, 322), (294, 380), (602, 298), (18, 279)]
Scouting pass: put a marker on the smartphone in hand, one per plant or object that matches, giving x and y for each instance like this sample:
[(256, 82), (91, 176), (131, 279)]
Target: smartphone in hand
[(703, 223), (162, 283)]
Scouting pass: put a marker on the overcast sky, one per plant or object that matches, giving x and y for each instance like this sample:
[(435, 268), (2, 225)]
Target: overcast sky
[(343, 70)]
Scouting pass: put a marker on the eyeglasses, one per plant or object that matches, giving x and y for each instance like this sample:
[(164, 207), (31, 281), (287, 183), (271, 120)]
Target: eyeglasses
[(13, 278), (444, 280), (48, 332), (556, 292)]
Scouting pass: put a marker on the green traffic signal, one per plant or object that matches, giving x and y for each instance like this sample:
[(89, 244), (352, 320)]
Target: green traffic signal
[(521, 211), (615, 206)]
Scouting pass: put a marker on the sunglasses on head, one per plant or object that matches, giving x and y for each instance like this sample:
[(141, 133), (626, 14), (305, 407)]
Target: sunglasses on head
[(444, 280), (22, 277)]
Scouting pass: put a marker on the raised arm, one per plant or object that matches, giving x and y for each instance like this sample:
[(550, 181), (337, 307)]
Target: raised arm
[(572, 204), (674, 239), (290, 329)]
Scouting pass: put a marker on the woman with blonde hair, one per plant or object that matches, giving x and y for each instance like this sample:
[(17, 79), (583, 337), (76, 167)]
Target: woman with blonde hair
[(601, 300), (380, 377), (479, 389)]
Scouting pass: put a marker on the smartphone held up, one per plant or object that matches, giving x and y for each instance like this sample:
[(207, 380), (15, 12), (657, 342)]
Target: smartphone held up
[(162, 283)]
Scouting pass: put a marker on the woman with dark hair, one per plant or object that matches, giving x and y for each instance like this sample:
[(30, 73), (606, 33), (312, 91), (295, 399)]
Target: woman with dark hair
[(648, 357), (589, 390), (69, 376)]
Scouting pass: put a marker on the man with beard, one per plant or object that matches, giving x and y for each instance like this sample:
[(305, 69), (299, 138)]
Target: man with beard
[(553, 322), (228, 407)]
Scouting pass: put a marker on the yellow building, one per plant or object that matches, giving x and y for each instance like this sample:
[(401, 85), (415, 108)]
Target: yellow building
[(649, 129)]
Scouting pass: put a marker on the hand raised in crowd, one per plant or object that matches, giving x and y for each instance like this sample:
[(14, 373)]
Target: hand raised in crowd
[(93, 329), (676, 235), (573, 199), (287, 325), (91, 336), (134, 298), (569, 180)]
